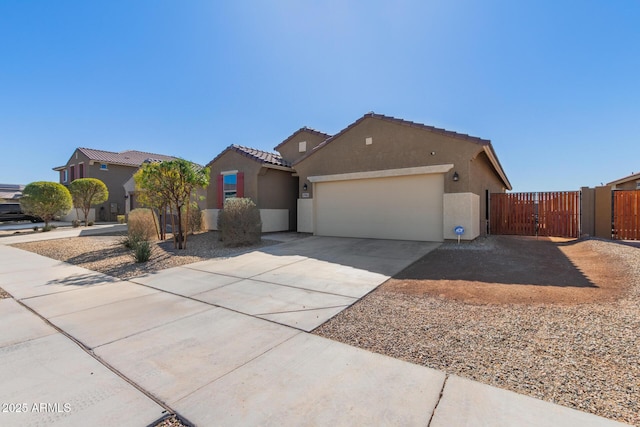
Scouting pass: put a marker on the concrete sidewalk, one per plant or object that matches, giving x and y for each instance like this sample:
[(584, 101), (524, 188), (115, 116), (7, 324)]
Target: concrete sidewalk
[(215, 357)]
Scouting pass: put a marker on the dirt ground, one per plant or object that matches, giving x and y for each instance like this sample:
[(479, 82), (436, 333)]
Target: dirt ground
[(513, 269)]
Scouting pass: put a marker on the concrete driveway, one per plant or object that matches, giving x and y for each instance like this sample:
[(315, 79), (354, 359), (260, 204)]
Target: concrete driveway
[(223, 342), (302, 283)]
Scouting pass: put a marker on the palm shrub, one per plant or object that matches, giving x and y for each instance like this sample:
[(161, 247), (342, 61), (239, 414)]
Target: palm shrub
[(239, 222)]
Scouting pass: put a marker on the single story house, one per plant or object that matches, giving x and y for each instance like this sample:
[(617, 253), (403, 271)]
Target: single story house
[(631, 182), (380, 177), (114, 169)]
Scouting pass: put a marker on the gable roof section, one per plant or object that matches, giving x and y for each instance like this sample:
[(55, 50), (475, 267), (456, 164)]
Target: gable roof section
[(125, 158), (302, 129), (260, 156), (632, 177), (488, 148)]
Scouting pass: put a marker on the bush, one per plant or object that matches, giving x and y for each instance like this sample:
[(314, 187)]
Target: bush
[(48, 227), (142, 224), (90, 223), (142, 251), (239, 222), (195, 220), (121, 219), (75, 223)]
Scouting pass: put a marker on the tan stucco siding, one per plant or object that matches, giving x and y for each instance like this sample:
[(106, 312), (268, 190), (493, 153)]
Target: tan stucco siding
[(483, 178), (392, 146), (289, 149), (228, 161), (401, 207), (277, 189)]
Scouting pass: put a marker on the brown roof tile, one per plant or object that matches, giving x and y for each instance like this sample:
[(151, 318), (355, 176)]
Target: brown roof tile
[(261, 156), (125, 158)]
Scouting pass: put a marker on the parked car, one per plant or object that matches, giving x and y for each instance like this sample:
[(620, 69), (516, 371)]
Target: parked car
[(13, 212)]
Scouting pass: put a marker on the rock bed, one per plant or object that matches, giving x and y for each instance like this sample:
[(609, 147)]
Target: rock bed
[(584, 356)]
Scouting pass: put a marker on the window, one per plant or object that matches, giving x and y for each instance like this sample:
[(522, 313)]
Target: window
[(81, 170), (64, 176), (230, 186), (103, 167), (72, 172), (638, 185)]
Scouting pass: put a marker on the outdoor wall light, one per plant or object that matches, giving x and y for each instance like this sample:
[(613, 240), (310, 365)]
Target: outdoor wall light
[(456, 177), (126, 196), (304, 187)]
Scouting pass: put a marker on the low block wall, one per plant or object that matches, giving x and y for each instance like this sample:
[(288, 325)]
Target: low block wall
[(272, 219), (461, 209)]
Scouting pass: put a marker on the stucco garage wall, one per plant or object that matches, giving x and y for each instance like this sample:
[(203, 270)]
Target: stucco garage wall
[(398, 207), (461, 209), (305, 216)]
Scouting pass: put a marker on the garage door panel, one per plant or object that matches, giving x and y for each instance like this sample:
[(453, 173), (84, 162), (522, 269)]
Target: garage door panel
[(403, 208)]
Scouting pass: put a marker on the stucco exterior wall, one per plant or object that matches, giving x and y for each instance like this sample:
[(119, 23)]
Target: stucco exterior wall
[(232, 160), (483, 180), (603, 211), (392, 146), (277, 190), (306, 222), (289, 148), (461, 209)]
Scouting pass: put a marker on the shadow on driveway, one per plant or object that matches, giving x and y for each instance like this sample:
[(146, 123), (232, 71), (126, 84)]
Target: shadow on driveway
[(509, 260)]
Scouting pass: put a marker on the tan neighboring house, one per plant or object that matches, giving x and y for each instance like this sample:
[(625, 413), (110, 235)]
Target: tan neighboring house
[(114, 169), (381, 177), (631, 182)]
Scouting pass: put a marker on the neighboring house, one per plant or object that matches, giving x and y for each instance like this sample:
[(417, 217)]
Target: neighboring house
[(383, 177), (131, 193), (114, 169), (631, 182), (11, 192)]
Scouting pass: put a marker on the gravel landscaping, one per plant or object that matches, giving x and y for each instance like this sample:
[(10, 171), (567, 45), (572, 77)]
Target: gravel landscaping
[(105, 253), (553, 319), (584, 354)]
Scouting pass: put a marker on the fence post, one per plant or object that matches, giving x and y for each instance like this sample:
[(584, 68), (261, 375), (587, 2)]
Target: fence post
[(603, 212), (588, 211)]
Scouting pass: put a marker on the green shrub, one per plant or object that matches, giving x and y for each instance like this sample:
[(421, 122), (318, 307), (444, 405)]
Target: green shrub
[(239, 222), (142, 224), (48, 227), (75, 223), (142, 251), (121, 219)]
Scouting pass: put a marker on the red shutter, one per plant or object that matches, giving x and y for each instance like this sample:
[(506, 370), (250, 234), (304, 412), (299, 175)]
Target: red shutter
[(220, 191), (240, 184)]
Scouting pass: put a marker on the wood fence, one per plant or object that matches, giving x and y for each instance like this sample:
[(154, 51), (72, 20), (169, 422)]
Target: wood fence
[(554, 213), (626, 215)]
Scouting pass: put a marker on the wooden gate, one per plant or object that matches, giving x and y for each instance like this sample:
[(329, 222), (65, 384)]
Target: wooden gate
[(626, 214), (554, 213)]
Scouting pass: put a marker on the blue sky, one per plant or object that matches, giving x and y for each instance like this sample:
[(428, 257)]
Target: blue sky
[(554, 85)]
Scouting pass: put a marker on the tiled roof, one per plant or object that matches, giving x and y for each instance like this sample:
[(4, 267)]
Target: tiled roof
[(263, 157), (303, 129), (126, 158)]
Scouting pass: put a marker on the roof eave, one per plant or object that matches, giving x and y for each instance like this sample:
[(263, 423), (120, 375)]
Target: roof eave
[(488, 149)]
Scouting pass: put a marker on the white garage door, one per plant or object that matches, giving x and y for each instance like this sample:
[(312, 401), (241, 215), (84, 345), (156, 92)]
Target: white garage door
[(399, 207)]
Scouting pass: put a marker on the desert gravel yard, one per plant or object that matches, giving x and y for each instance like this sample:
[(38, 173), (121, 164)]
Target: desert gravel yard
[(557, 320), (551, 318)]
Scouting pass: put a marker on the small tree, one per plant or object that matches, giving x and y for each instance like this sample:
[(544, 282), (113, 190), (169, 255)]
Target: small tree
[(172, 184), (87, 192), (46, 200)]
